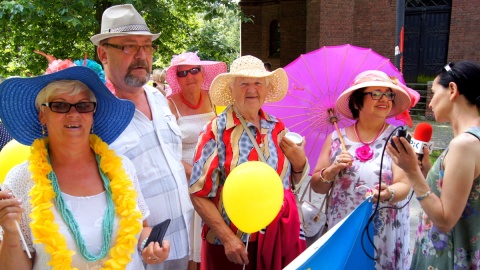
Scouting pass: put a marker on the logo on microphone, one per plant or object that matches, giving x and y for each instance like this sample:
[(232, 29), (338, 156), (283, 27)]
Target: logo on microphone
[(418, 146)]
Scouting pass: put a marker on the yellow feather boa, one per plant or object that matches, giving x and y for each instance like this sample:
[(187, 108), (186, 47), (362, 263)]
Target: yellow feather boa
[(46, 231)]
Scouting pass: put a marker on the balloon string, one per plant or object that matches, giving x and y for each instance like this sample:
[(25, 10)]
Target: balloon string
[(246, 247)]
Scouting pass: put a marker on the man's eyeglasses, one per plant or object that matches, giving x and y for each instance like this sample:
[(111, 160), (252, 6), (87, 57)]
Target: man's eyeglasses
[(134, 48), (64, 107), (193, 71), (377, 94)]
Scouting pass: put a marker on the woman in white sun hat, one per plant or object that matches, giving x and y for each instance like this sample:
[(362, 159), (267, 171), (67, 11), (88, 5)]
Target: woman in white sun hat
[(224, 143), (350, 175)]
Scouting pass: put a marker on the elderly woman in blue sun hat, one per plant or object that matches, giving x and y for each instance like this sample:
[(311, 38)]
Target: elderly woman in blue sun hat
[(77, 203)]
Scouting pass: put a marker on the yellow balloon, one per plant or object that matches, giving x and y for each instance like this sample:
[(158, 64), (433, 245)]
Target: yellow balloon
[(252, 195), (219, 109), (13, 153)]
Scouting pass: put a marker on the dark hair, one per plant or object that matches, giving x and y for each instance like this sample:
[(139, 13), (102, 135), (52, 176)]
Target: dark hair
[(267, 65), (355, 102), (466, 75)]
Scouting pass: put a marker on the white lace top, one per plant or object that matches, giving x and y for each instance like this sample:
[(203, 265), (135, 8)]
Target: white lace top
[(88, 212)]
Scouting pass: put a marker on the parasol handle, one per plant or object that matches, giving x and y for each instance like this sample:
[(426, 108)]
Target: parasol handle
[(334, 120)]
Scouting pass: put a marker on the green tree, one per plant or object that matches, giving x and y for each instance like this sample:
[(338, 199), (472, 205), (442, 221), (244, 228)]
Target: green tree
[(63, 28), (218, 38)]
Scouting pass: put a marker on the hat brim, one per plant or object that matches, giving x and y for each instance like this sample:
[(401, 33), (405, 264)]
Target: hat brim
[(401, 103), (21, 117), (99, 37), (278, 85), (210, 70)]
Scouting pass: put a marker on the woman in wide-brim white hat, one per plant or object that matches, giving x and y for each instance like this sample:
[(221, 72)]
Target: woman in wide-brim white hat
[(349, 175), (223, 145)]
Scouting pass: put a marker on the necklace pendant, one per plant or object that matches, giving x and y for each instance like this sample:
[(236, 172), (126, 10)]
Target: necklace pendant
[(364, 153)]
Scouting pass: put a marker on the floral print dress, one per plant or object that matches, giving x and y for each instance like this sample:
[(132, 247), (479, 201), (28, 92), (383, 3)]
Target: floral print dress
[(458, 248), (392, 227)]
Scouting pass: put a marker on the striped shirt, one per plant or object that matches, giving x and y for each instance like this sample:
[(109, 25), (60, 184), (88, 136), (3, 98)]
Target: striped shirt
[(222, 146), (155, 148)]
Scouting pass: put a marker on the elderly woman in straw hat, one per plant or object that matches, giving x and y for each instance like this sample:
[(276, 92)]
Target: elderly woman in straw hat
[(190, 78), (75, 203), (224, 143), (350, 175)]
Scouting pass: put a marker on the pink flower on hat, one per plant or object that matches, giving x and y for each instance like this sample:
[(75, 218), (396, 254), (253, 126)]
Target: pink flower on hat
[(57, 65)]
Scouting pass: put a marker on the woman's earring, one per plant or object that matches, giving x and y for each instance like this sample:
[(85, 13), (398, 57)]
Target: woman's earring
[(91, 130), (44, 132)]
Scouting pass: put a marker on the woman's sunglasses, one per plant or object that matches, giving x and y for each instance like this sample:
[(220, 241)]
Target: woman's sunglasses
[(64, 107), (193, 71)]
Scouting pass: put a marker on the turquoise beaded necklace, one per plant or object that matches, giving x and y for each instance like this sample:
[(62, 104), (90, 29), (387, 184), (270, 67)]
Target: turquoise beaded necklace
[(108, 219)]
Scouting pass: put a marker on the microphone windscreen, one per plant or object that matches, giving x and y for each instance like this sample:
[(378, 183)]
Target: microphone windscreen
[(423, 132)]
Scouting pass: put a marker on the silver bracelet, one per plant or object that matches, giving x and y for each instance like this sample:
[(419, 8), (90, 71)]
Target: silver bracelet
[(419, 198)]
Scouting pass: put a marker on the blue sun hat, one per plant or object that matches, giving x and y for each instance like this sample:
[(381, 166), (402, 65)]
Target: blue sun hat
[(20, 116)]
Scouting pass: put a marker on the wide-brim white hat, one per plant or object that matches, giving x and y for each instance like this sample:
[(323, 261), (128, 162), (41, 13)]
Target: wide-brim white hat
[(250, 67), (377, 78), (210, 69), (122, 20)]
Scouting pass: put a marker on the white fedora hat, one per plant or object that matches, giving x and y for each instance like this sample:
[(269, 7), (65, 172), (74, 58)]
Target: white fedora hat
[(122, 20)]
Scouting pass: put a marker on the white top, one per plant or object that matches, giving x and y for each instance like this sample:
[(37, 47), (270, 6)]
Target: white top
[(155, 149), (88, 212), (191, 126)]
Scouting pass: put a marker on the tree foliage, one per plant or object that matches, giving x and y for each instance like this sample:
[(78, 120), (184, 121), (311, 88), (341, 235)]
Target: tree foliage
[(63, 29)]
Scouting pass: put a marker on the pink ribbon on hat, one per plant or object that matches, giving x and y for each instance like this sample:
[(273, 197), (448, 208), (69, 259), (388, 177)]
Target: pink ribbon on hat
[(185, 57), (414, 97)]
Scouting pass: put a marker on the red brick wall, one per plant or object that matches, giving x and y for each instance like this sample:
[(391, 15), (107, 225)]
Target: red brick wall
[(313, 25), (374, 26), (293, 30), (336, 22), (307, 25), (251, 32), (464, 41), (255, 36), (362, 23)]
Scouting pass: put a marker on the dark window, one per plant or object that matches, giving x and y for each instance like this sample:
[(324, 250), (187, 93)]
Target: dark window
[(275, 39), (427, 3)]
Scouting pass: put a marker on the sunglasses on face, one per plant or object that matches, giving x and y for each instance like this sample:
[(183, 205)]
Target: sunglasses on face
[(377, 94), (64, 107), (184, 73)]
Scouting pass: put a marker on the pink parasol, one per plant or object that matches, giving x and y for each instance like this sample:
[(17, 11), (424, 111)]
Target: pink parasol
[(316, 79)]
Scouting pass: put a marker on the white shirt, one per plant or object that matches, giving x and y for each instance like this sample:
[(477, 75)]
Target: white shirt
[(155, 148), (88, 212)]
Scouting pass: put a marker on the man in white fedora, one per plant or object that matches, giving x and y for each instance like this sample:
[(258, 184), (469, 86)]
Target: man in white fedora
[(153, 140)]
